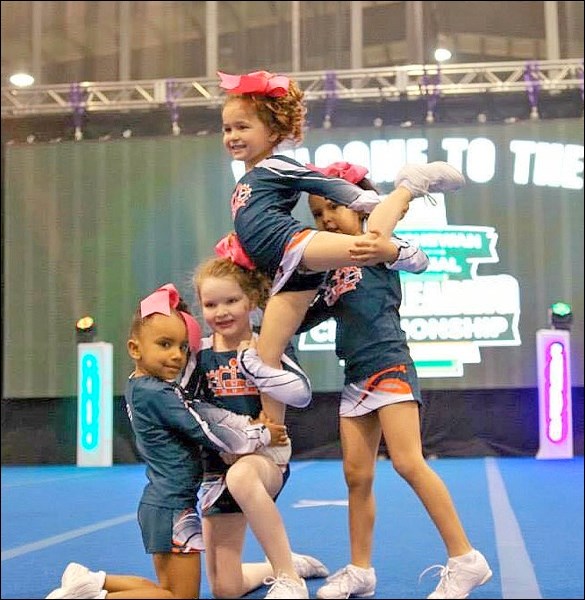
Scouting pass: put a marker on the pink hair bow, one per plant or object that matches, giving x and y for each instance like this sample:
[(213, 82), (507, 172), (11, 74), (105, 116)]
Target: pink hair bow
[(163, 301), (230, 247), (342, 170), (259, 82)]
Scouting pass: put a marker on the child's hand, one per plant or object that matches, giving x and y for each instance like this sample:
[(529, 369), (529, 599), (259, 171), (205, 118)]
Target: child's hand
[(278, 433), (371, 248)]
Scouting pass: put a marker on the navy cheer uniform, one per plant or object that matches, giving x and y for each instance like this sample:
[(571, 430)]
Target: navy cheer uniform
[(169, 431), (364, 301), (215, 377), (264, 198)]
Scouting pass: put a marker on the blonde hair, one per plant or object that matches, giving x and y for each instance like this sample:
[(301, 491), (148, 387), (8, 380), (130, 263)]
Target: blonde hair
[(253, 282), (284, 116)]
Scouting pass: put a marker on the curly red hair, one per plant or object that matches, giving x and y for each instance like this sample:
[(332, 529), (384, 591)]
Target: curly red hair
[(284, 116)]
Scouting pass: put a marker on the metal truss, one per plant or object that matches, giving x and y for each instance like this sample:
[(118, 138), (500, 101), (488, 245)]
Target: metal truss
[(404, 82)]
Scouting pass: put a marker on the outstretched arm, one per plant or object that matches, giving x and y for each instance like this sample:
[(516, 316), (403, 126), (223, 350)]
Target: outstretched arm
[(207, 425), (228, 426)]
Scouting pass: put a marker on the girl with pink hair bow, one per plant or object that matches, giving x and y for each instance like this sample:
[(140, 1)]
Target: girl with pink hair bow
[(261, 111), (381, 397), (241, 494), (169, 430)]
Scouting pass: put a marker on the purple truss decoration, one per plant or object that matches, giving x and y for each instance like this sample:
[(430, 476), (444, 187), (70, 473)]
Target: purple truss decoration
[(430, 87), (77, 101), (532, 81)]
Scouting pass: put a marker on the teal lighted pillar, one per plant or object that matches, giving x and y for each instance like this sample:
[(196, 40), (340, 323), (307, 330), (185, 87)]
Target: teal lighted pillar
[(94, 404)]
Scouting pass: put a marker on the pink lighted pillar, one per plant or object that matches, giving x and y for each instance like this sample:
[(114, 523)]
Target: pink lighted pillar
[(555, 413)]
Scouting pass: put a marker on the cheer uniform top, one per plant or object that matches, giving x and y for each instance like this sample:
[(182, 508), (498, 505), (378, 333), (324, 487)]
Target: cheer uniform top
[(265, 196), (364, 301), (215, 377), (169, 430)]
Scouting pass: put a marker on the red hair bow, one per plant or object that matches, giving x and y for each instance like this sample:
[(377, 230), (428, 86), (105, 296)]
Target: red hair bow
[(259, 82), (162, 301), (230, 247), (342, 170)]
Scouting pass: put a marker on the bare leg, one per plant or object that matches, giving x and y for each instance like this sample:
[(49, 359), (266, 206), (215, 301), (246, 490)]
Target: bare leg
[(360, 439), (255, 574), (224, 539), (179, 573), (282, 317), (117, 586), (401, 426), (253, 482), (328, 250), (132, 586), (224, 536), (136, 590)]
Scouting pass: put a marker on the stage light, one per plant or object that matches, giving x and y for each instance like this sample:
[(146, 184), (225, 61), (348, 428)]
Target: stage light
[(442, 54), (560, 315), (85, 330), (21, 79)]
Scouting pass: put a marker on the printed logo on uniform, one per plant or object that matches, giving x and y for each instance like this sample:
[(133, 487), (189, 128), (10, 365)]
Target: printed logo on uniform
[(240, 196), (344, 280), (226, 381)]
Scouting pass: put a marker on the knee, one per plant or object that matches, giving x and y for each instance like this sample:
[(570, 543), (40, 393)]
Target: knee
[(244, 484), (162, 592), (236, 477), (408, 466), (166, 593), (146, 583), (357, 477)]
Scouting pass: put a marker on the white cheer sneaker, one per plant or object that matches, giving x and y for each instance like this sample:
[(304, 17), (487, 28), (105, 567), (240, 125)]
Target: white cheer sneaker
[(285, 587), (461, 575), (349, 581), (422, 180), (78, 581)]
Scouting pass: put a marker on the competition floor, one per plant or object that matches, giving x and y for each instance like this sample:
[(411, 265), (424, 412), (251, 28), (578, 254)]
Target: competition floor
[(524, 514)]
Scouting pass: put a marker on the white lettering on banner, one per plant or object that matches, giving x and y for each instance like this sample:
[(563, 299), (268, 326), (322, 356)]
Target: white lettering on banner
[(549, 164), (449, 312), (546, 164), (454, 328), (476, 158), (488, 295), (449, 239)]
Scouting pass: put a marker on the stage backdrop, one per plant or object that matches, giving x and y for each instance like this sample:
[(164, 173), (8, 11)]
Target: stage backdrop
[(90, 227)]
